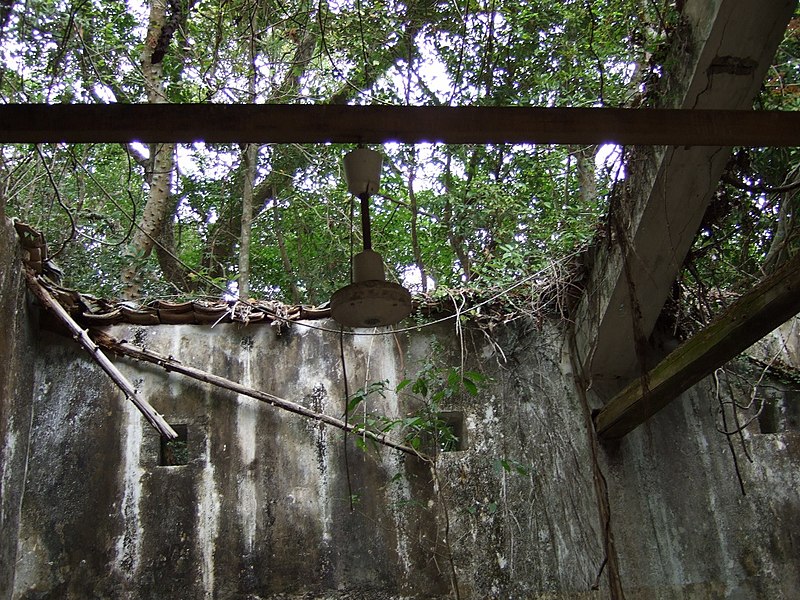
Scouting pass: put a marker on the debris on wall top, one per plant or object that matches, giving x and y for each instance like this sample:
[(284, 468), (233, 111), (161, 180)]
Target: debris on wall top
[(543, 296)]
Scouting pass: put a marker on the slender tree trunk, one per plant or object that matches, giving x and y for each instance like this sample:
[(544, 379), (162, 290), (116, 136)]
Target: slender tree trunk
[(455, 239), (157, 209), (782, 231), (412, 198), (173, 270), (587, 182), (250, 156)]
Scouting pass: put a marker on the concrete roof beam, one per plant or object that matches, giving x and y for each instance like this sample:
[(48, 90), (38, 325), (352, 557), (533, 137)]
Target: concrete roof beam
[(718, 61)]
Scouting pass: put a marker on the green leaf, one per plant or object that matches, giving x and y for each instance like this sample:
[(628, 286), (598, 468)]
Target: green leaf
[(354, 402), (475, 376), (470, 386), (453, 378)]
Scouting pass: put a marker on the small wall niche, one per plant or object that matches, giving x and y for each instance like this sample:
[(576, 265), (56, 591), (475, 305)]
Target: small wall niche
[(780, 412), (157, 452), (174, 453), (453, 437)]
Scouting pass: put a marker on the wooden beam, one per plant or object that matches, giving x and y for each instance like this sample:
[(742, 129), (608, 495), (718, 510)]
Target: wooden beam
[(771, 303), (298, 123)]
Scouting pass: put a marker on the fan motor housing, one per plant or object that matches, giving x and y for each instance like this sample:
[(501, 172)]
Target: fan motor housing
[(371, 303)]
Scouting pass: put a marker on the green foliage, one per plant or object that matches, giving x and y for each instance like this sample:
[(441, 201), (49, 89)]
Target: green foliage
[(376, 387), (751, 225), (480, 216)]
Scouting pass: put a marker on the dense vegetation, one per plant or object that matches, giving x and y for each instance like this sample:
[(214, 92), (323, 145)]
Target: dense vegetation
[(275, 221)]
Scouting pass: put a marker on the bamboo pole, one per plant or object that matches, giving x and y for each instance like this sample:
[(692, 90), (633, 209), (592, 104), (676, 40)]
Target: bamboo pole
[(170, 364), (80, 336)]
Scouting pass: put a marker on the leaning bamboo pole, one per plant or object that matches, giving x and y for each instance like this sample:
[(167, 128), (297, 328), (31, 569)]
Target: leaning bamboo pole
[(169, 364), (80, 336)]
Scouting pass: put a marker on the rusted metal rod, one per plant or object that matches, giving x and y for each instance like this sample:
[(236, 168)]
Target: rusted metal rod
[(80, 336)]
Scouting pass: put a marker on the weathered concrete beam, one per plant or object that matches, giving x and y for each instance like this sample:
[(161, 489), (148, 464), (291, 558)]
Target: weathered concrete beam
[(719, 61), (297, 123), (765, 307)]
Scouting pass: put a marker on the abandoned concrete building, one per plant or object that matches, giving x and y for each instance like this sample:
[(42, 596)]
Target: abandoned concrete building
[(593, 457)]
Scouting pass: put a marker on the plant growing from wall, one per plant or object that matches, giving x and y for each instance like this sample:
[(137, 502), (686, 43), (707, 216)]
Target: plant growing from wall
[(424, 429)]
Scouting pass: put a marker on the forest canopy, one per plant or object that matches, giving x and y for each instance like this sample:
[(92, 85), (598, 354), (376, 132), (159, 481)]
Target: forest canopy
[(275, 221)]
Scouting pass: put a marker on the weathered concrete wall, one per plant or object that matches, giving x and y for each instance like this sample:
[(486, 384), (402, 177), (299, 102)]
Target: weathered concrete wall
[(261, 509), (17, 351), (683, 526)]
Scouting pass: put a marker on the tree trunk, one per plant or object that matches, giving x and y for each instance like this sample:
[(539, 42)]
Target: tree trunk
[(456, 240), (174, 271), (412, 198), (587, 182), (783, 231), (157, 209), (250, 156)]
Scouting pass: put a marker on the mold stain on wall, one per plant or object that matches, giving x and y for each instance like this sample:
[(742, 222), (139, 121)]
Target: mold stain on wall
[(246, 422), (129, 542), (208, 520)]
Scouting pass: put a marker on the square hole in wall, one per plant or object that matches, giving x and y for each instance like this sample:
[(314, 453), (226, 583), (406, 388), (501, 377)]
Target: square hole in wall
[(780, 411), (175, 452), (769, 419), (452, 431)]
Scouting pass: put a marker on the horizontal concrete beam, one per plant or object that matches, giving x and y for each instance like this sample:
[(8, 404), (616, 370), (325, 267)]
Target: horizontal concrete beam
[(299, 123)]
